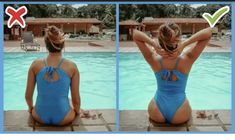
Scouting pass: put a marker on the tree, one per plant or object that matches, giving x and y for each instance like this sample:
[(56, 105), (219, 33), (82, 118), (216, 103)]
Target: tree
[(212, 8), (138, 12), (67, 11), (103, 12), (109, 19)]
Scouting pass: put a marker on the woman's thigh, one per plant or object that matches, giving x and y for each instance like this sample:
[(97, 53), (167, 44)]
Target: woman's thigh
[(69, 117), (183, 114), (154, 112), (36, 116)]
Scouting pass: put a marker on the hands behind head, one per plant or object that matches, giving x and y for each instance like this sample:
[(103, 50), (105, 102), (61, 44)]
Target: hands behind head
[(171, 55)]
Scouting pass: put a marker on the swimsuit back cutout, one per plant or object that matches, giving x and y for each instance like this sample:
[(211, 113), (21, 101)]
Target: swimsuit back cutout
[(166, 83), (52, 100)]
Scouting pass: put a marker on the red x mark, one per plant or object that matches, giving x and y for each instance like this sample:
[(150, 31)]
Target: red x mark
[(16, 16)]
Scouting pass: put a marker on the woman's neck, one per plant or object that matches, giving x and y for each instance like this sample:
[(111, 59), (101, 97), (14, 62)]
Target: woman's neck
[(55, 55)]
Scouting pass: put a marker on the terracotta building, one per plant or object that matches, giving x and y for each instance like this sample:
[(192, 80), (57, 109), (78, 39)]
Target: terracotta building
[(187, 25), (150, 25), (67, 25), (126, 29)]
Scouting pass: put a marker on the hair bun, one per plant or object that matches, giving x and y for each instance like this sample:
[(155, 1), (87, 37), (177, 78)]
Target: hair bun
[(55, 36)]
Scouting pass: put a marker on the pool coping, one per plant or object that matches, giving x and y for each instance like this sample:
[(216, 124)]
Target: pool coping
[(138, 121), (101, 120)]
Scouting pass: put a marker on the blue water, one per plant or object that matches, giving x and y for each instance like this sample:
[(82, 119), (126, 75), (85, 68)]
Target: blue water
[(208, 87), (97, 79)]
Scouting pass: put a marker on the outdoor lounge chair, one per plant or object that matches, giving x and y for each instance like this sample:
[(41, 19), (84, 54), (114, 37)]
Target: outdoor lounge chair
[(28, 43)]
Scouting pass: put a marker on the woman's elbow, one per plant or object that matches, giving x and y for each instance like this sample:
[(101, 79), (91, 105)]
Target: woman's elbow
[(135, 34)]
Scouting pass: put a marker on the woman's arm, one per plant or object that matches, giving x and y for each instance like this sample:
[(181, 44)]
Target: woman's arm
[(141, 39), (75, 90), (202, 38), (30, 87)]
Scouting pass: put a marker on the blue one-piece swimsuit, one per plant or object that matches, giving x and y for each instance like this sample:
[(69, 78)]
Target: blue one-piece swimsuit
[(52, 103), (170, 94)]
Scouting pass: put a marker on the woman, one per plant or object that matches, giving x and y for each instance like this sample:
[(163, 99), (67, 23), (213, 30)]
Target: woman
[(171, 69), (54, 76)]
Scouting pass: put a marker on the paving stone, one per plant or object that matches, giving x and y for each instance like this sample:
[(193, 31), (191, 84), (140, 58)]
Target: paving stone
[(53, 128), (206, 128), (109, 115), (88, 121), (80, 128), (224, 116), (168, 128), (18, 128), (228, 127), (201, 121), (18, 118), (137, 118), (134, 120), (133, 128)]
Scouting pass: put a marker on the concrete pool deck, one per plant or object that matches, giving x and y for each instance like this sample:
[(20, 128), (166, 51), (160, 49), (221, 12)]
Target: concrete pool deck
[(20, 121), (129, 121), (213, 46), (223, 45), (138, 121), (70, 46)]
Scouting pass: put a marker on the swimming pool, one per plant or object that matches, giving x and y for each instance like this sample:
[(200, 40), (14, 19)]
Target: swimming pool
[(97, 79), (208, 87)]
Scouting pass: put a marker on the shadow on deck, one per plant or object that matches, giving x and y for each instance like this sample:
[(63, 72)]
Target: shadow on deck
[(102, 121), (138, 121)]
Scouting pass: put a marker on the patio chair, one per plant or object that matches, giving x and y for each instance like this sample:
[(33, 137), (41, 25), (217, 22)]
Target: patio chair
[(28, 43)]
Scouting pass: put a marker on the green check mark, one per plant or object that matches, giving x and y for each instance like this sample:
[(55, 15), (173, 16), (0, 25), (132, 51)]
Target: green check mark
[(212, 20)]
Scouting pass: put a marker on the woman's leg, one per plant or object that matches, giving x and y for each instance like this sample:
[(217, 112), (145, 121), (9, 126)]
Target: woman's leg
[(69, 117), (154, 112), (36, 117), (183, 114)]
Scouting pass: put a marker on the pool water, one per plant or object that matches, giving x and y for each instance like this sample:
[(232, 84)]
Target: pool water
[(208, 87), (97, 79)]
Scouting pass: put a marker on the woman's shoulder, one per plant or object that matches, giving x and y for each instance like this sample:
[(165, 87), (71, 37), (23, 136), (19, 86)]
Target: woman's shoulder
[(70, 64), (37, 62), (36, 65)]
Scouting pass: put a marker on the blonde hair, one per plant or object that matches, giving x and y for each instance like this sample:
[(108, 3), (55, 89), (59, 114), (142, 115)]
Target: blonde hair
[(54, 39), (167, 32)]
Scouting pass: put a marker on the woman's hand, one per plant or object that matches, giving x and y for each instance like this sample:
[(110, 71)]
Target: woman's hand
[(30, 110), (174, 54), (159, 50), (163, 53)]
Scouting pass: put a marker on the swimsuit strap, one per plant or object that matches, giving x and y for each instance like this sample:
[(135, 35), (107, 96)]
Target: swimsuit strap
[(177, 62), (160, 61), (61, 61), (45, 62)]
